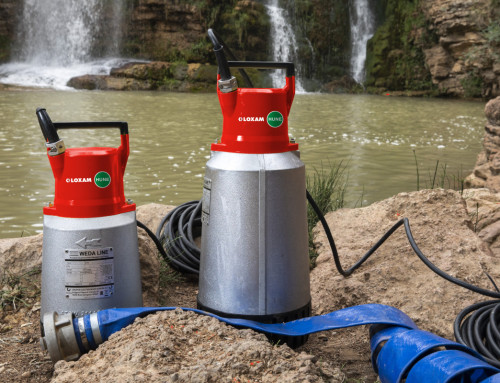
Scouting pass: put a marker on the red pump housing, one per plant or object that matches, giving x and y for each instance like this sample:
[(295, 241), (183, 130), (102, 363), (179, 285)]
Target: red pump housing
[(89, 181), (255, 120)]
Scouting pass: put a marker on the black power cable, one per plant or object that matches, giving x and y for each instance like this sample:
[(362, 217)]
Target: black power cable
[(477, 327)]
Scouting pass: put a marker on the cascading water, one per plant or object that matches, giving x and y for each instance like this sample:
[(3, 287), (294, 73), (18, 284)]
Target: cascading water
[(284, 44), (362, 29), (60, 39)]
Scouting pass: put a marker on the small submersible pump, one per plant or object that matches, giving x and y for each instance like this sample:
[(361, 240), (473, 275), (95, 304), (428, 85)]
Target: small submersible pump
[(90, 257), (254, 247)]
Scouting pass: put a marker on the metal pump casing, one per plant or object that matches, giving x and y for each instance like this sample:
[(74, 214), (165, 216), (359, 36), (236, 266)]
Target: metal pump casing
[(254, 249), (90, 257)]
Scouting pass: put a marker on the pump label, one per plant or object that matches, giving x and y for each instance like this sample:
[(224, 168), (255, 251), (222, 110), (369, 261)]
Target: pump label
[(89, 273), (102, 179), (275, 119)]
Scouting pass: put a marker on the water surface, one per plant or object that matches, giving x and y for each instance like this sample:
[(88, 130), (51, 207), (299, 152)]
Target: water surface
[(171, 133)]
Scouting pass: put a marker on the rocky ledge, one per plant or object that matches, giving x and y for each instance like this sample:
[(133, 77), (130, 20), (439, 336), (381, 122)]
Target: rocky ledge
[(486, 172), (157, 75)]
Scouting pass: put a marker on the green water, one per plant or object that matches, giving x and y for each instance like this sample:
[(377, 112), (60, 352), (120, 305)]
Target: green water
[(170, 136)]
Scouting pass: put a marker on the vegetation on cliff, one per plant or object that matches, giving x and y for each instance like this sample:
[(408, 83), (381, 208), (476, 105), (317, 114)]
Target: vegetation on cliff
[(322, 30), (443, 47), (395, 57), (176, 31)]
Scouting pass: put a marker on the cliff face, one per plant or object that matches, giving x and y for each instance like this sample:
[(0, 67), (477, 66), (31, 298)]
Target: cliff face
[(9, 10), (323, 36), (451, 47), (173, 30)]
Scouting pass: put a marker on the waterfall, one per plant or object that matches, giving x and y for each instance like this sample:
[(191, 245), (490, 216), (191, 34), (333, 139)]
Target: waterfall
[(60, 39), (362, 29), (284, 44)]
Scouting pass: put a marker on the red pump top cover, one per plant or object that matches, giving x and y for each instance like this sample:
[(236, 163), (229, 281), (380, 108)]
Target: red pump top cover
[(255, 120), (89, 182)]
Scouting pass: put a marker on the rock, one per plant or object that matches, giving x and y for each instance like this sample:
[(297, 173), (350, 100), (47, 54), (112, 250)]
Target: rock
[(438, 61), (154, 75), (483, 207), (394, 275), (486, 172), (492, 112), (20, 255)]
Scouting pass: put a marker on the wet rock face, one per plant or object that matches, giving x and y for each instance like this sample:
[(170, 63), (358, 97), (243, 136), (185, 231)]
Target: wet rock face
[(462, 58), (448, 47), (486, 172), (9, 10)]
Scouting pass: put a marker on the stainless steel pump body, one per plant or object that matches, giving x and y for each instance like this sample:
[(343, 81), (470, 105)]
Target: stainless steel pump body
[(254, 247), (90, 264)]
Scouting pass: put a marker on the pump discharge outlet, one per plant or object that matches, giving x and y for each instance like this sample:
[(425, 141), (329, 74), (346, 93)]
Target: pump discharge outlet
[(254, 249), (90, 257)]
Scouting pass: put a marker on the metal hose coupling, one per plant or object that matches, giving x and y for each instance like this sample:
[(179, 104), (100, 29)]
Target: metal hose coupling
[(67, 338)]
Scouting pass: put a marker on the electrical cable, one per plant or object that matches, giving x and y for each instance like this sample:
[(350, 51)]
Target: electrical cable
[(477, 327), (177, 232)]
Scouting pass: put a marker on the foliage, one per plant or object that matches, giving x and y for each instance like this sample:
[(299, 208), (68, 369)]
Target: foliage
[(18, 290), (440, 178), (473, 86), (395, 58), (327, 187), (322, 32)]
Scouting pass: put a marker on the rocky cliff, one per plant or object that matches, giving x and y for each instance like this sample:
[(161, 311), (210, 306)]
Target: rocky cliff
[(486, 173), (9, 10), (173, 30), (445, 47)]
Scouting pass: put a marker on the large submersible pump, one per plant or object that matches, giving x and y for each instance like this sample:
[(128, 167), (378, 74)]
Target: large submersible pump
[(254, 247), (90, 258)]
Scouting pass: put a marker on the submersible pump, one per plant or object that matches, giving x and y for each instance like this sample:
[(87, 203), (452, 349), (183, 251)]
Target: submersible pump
[(254, 247), (90, 257)]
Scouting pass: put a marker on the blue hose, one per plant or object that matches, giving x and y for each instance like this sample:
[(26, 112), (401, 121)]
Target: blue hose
[(400, 351)]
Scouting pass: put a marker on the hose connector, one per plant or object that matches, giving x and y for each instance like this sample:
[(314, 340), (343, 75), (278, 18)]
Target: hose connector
[(60, 339), (55, 148), (228, 86)]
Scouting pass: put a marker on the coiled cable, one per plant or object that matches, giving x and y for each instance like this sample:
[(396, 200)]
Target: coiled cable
[(477, 327)]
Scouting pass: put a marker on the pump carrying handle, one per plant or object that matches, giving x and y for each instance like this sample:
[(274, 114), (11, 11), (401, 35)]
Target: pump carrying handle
[(123, 126), (289, 66)]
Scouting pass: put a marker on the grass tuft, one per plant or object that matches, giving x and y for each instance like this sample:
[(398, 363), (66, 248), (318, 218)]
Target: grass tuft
[(327, 187)]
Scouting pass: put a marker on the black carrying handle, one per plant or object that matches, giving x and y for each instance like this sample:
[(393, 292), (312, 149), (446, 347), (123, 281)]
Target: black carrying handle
[(49, 128), (123, 126), (289, 66)]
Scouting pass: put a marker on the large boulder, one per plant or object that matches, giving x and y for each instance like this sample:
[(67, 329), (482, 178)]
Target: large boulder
[(394, 275), (486, 172)]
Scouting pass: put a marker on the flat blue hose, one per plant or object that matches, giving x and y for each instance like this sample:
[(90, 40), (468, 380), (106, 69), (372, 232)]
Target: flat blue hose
[(400, 351)]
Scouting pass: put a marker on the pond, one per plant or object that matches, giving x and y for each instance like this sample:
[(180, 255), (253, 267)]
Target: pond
[(375, 137)]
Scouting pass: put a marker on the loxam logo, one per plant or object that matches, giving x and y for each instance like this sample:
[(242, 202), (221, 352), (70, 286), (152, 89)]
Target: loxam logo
[(251, 119), (74, 180)]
